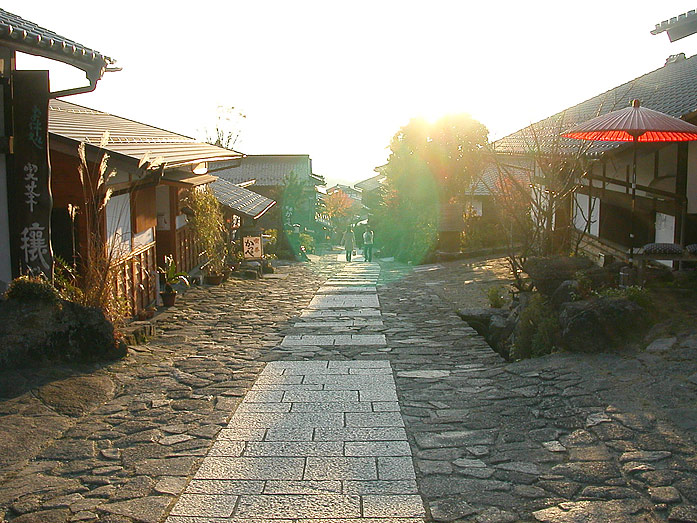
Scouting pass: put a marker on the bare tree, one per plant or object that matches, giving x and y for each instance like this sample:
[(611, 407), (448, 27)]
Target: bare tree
[(228, 127), (534, 193)]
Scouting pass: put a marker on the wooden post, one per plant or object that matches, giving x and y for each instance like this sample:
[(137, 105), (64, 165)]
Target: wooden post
[(29, 184), (681, 197), (681, 193), (7, 58)]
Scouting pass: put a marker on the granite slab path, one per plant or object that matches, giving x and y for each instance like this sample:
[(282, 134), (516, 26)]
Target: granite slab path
[(319, 440)]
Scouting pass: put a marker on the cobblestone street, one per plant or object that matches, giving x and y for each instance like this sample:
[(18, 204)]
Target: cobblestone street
[(317, 395)]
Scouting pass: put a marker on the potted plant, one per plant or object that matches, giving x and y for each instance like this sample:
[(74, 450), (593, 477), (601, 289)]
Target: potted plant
[(171, 277), (207, 222), (214, 269)]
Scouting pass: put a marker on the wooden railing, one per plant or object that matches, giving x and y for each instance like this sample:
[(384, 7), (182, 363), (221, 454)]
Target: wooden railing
[(187, 251), (136, 278)]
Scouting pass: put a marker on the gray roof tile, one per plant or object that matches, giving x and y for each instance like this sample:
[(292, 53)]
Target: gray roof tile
[(270, 170), (672, 90), (129, 138), (240, 199)]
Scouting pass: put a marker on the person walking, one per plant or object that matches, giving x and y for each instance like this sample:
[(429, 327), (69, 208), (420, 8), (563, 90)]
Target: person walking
[(368, 245), (349, 242)]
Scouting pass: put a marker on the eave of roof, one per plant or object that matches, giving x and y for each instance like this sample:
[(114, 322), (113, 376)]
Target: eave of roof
[(27, 37), (186, 180), (241, 200), (131, 139), (679, 26)]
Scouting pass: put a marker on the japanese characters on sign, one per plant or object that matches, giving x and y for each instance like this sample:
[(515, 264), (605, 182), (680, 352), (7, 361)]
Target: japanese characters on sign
[(251, 247), (30, 186)]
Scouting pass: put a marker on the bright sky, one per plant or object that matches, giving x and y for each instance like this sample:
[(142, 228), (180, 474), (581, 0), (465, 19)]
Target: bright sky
[(336, 80)]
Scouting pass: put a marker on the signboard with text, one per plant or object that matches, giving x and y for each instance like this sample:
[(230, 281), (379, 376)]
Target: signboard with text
[(29, 182), (251, 246)]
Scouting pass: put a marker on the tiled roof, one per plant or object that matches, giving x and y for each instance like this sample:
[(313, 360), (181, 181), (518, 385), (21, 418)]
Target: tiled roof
[(27, 37), (240, 199), (270, 170), (371, 183), (492, 174), (129, 138), (672, 90)]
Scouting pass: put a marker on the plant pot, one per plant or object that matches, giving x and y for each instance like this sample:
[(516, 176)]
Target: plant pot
[(213, 279), (168, 298)]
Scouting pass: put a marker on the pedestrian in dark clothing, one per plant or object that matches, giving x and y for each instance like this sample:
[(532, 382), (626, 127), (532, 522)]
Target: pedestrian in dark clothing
[(349, 242)]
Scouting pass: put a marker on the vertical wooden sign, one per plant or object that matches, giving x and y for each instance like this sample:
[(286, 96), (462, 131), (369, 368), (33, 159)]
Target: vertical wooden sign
[(29, 186)]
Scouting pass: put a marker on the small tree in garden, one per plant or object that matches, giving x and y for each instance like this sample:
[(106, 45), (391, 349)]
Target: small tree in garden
[(340, 208), (534, 196), (430, 167), (206, 219)]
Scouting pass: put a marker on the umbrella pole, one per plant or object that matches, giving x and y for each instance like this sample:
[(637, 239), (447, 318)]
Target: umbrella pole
[(631, 219)]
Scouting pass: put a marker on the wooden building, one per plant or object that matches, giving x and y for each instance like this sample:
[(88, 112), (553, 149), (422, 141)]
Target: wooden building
[(270, 176), (25, 197), (666, 190), (144, 219)]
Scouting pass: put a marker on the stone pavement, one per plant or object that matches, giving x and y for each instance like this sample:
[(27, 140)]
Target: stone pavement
[(565, 438), (319, 440), (118, 443)]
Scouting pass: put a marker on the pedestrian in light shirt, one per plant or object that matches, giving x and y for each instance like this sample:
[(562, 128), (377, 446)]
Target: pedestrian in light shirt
[(368, 245)]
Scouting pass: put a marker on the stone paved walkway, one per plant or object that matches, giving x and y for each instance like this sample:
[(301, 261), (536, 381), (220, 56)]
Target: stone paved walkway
[(315, 440), (566, 438)]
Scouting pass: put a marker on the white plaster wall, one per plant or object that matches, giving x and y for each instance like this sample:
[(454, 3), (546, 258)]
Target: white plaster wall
[(665, 228), (668, 164), (618, 165), (475, 206), (118, 223), (162, 204), (581, 214)]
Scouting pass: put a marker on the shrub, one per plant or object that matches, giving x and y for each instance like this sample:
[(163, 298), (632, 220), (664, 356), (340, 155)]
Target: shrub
[(65, 280), (206, 220), (585, 285), (496, 296), (634, 293), (538, 330), (271, 244), (482, 233), (32, 288), (308, 242)]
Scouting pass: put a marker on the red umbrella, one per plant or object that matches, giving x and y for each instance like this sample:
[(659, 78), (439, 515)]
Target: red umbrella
[(634, 124)]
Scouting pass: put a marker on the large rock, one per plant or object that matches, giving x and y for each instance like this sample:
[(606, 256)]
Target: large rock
[(34, 331), (549, 272), (600, 324), (480, 318), (567, 292)]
